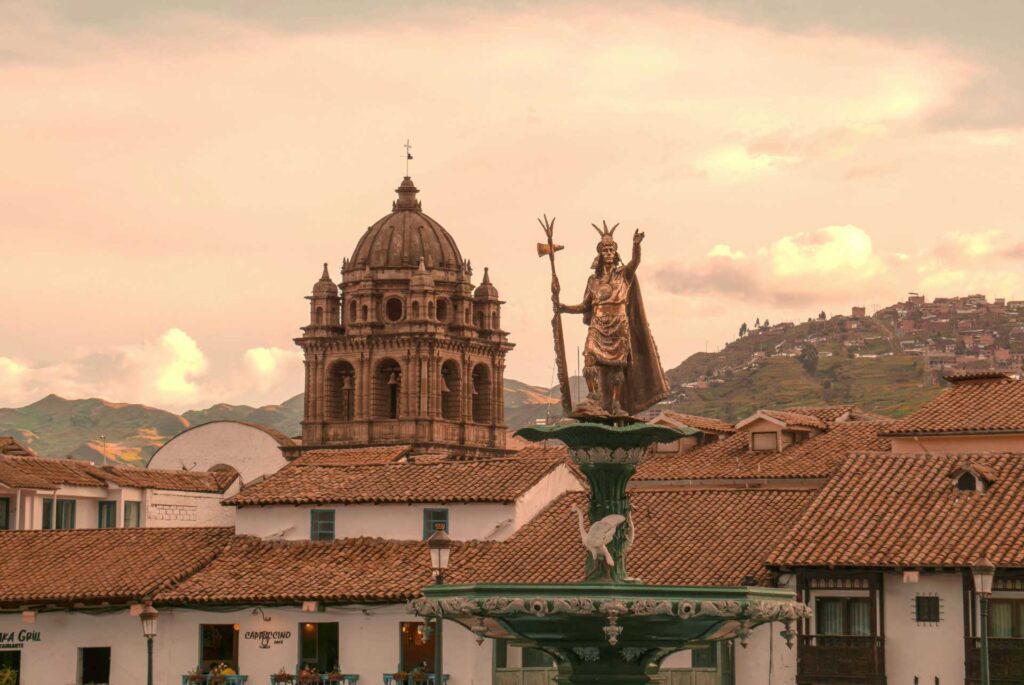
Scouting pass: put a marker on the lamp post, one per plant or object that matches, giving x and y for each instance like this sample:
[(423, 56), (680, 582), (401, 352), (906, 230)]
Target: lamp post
[(440, 546), (983, 571), (148, 618)]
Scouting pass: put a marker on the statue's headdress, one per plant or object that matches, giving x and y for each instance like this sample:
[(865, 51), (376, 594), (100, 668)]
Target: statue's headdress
[(607, 238)]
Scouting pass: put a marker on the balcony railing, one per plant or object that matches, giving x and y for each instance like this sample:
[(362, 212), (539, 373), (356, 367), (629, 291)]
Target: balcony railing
[(840, 659), (1005, 660)]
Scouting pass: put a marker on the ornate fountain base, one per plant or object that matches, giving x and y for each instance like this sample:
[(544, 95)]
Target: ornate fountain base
[(607, 628)]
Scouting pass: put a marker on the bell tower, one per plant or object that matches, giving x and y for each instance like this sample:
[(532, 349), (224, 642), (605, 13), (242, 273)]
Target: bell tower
[(410, 352)]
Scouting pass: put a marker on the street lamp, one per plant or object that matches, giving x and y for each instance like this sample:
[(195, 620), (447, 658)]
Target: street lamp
[(983, 571), (148, 618), (440, 546)]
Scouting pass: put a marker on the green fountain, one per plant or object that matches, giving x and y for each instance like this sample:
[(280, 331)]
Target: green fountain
[(609, 628)]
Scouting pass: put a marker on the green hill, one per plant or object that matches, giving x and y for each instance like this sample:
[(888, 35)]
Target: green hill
[(858, 362)]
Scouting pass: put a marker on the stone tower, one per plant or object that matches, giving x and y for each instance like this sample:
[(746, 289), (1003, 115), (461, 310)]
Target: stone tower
[(410, 352)]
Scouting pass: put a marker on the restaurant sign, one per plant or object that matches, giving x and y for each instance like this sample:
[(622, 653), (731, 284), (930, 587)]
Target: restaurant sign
[(266, 637), (17, 639)]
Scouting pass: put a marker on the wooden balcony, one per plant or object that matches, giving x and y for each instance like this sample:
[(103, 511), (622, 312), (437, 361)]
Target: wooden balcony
[(1005, 660), (840, 660)]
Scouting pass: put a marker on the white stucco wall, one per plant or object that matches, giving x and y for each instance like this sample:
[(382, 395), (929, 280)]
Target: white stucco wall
[(368, 641), (249, 450), (391, 521), (766, 660), (174, 509), (548, 489), (925, 650)]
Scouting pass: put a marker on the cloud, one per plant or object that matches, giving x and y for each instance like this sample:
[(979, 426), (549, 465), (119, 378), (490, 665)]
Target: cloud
[(170, 372), (833, 251)]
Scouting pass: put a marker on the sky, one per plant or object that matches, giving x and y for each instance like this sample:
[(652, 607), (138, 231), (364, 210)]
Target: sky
[(174, 175)]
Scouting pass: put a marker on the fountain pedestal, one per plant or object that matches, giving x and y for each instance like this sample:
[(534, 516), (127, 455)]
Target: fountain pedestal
[(608, 628)]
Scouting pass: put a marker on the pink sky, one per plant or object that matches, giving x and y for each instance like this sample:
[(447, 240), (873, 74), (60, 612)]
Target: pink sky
[(173, 180)]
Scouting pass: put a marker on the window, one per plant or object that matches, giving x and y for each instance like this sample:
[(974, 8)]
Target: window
[(218, 644), (434, 520), (843, 616), (481, 380), (705, 657), (321, 524), (417, 646), (968, 482), (451, 391), (535, 658), (5, 513), (340, 392), (132, 514), (65, 517), (108, 514), (387, 385), (442, 310), (764, 441), (1006, 617), (94, 665), (318, 646), (926, 609), (393, 309)]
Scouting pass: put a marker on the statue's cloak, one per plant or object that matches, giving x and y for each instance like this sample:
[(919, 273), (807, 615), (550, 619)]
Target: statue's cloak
[(645, 383)]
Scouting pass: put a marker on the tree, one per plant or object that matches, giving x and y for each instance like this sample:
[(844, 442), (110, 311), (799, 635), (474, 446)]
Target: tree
[(766, 325), (809, 359), (743, 329), (757, 322), (821, 315)]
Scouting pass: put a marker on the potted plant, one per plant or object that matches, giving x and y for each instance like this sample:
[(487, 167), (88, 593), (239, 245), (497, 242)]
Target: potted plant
[(282, 676), (333, 676), (308, 676), (401, 677), (193, 676), (219, 673), (8, 676)]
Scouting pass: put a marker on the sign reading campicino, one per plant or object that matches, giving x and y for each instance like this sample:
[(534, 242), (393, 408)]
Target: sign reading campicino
[(266, 637)]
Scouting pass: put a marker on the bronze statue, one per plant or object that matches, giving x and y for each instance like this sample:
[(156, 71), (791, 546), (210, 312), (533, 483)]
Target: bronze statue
[(621, 365)]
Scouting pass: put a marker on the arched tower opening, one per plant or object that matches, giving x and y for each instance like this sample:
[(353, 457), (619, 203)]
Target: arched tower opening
[(481, 394), (451, 391), (340, 392), (387, 386)]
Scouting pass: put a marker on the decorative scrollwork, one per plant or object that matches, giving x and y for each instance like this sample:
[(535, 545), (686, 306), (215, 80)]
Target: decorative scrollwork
[(631, 654), (573, 605), (721, 608), (458, 606), (537, 607), (614, 607), (587, 653), (686, 610), (504, 605), (651, 607)]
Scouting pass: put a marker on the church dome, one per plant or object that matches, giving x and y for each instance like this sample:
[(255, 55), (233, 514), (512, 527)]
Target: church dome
[(405, 236)]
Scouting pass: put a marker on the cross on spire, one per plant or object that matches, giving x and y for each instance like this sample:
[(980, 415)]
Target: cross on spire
[(408, 155)]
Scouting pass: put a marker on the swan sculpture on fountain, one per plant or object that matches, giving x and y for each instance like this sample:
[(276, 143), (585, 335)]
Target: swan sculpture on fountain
[(600, 534)]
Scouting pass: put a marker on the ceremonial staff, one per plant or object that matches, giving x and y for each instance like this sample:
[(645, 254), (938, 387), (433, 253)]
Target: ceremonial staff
[(550, 248)]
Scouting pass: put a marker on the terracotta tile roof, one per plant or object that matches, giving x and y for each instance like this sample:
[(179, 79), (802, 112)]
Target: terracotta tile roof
[(88, 566), (158, 479), (55, 472), (485, 480), (692, 537), (886, 510), (967, 375), (794, 419), (343, 456), (362, 570), (827, 413), (971, 407), (732, 457), (702, 423), (10, 446), (49, 474)]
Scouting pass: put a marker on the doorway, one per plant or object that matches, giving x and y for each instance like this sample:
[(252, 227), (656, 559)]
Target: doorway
[(417, 646), (94, 665), (318, 646)]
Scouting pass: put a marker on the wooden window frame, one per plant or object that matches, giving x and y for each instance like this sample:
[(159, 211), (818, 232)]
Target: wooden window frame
[(429, 529), (109, 507), (316, 528), (846, 602), (926, 607)]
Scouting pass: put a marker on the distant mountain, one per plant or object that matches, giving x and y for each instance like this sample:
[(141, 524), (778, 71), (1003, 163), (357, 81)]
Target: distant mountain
[(88, 429), (96, 429)]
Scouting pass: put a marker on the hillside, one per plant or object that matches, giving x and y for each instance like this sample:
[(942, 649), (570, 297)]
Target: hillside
[(859, 361), (57, 427)]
